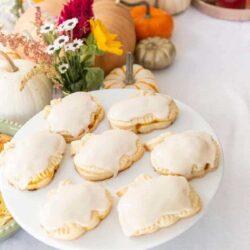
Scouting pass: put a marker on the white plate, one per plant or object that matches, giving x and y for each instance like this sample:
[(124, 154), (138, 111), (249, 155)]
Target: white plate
[(25, 206)]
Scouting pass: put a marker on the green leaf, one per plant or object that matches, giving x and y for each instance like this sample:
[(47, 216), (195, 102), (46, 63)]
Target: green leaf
[(99, 52), (94, 78), (87, 56), (88, 60), (90, 40), (77, 86)]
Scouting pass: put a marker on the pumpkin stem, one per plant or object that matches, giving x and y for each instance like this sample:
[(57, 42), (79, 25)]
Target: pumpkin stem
[(12, 66), (145, 3), (129, 69)]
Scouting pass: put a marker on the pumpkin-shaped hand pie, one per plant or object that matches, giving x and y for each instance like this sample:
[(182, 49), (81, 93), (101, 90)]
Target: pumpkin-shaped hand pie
[(190, 154), (74, 115), (101, 156), (5, 215), (143, 113), (149, 204), (142, 79), (31, 163), (73, 209), (4, 139), (155, 53)]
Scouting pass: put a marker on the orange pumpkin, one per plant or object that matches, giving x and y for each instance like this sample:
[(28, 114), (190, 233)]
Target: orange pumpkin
[(119, 21), (150, 21)]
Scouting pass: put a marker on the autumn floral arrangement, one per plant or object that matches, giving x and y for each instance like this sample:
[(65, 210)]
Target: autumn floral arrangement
[(68, 47)]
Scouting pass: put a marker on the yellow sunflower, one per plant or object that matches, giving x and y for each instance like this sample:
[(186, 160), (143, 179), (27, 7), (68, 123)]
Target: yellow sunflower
[(105, 40)]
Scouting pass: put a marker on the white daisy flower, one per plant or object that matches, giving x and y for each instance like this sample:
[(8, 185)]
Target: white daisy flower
[(61, 40), (69, 47), (68, 25), (51, 49), (46, 28), (63, 68), (77, 43), (61, 27)]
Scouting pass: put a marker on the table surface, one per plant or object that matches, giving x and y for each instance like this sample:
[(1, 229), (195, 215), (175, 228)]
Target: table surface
[(211, 74)]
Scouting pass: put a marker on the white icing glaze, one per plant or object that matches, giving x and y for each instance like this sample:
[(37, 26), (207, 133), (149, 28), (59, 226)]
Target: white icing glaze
[(25, 159), (139, 106), (179, 152), (106, 150), (72, 113), (144, 203), (73, 203)]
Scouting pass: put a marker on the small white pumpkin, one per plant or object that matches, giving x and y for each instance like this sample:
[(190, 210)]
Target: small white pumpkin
[(20, 106), (142, 79), (171, 6), (155, 53), (174, 6)]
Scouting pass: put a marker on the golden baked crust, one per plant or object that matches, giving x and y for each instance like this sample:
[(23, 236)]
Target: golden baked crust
[(94, 173), (95, 119), (3, 139), (149, 122), (169, 219), (5, 216), (73, 231), (196, 172), (44, 178)]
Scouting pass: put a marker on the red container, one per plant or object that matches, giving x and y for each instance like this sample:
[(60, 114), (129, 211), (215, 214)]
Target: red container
[(232, 4)]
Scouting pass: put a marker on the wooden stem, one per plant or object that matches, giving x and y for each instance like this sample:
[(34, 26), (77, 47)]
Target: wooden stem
[(145, 3), (12, 66), (129, 69), (156, 3)]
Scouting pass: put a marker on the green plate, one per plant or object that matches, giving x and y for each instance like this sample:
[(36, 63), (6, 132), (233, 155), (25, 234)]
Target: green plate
[(9, 128)]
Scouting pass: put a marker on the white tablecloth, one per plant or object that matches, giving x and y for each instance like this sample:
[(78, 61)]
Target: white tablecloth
[(212, 75)]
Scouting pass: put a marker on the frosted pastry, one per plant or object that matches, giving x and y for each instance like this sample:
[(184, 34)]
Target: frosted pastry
[(148, 204), (143, 113), (190, 154), (101, 156), (73, 209), (3, 139), (74, 115), (5, 215), (31, 163)]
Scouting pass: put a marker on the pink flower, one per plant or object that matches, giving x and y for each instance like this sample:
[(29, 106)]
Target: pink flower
[(83, 11)]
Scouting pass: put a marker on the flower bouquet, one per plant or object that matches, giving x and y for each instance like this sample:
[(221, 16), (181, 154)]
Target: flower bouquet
[(70, 46)]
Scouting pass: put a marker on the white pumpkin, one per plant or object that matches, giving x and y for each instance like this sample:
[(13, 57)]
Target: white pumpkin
[(20, 106), (171, 6), (174, 6), (143, 79)]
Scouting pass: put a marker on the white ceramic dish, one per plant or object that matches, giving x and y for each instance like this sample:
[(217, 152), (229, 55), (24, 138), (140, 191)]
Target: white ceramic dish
[(25, 206)]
